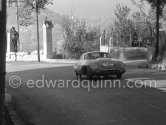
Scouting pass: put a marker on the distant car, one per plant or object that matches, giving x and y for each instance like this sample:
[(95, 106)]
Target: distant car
[(98, 63)]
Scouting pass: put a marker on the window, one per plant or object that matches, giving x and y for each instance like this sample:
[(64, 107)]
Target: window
[(96, 55)]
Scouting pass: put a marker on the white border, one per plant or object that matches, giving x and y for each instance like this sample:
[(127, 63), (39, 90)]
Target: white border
[(0, 5)]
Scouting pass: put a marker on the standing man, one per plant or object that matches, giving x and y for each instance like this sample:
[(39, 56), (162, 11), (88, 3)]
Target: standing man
[(15, 37)]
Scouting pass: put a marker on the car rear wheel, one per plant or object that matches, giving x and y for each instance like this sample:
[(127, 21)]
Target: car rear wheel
[(119, 76)]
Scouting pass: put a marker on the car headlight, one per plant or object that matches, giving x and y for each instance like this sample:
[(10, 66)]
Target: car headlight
[(93, 66), (120, 65)]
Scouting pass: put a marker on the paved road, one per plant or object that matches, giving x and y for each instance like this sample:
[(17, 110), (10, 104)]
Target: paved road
[(73, 105)]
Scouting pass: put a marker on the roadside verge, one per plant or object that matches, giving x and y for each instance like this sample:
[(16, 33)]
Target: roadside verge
[(12, 116)]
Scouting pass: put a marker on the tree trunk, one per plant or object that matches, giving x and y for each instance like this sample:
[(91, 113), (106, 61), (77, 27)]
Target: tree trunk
[(2, 57), (104, 37), (157, 29)]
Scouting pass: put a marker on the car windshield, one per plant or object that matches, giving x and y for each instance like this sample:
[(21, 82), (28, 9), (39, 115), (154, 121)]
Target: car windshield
[(96, 55)]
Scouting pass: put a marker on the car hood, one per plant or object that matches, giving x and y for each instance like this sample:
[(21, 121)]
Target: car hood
[(100, 61)]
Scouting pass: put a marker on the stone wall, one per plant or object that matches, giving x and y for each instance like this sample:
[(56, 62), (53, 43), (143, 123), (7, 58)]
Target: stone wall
[(129, 53)]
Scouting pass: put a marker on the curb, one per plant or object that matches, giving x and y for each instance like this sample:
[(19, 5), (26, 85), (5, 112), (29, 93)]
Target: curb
[(9, 106), (129, 63)]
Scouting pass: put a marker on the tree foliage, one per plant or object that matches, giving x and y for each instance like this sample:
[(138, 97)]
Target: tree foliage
[(24, 16), (36, 5), (27, 7), (129, 27), (154, 4), (159, 6), (122, 24), (79, 38), (145, 24)]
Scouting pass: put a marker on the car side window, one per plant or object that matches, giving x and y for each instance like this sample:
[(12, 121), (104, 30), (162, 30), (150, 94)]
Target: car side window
[(87, 56)]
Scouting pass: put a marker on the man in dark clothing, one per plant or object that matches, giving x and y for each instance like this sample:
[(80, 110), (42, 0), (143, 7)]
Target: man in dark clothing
[(15, 37)]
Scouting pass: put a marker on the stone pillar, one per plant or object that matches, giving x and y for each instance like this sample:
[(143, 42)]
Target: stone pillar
[(10, 46), (47, 39)]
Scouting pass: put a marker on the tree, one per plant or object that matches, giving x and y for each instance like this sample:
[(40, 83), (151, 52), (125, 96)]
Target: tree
[(2, 58), (92, 42), (158, 5), (144, 23), (122, 24), (24, 17), (25, 11), (78, 38), (73, 33)]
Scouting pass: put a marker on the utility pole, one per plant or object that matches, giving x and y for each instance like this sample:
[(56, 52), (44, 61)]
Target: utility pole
[(2, 58), (112, 35), (18, 26), (38, 44), (104, 37)]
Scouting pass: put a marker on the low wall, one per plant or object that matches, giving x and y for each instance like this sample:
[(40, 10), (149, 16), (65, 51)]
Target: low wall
[(33, 57), (150, 53), (129, 54)]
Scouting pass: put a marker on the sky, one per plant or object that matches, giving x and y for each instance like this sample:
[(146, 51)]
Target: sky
[(90, 9)]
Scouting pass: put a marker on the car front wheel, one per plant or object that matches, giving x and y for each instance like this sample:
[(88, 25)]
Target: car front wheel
[(89, 77), (78, 76)]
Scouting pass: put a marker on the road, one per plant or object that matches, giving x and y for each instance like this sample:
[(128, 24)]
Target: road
[(41, 104)]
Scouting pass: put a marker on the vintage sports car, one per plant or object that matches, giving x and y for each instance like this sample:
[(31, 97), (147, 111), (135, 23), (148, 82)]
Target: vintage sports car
[(98, 63)]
